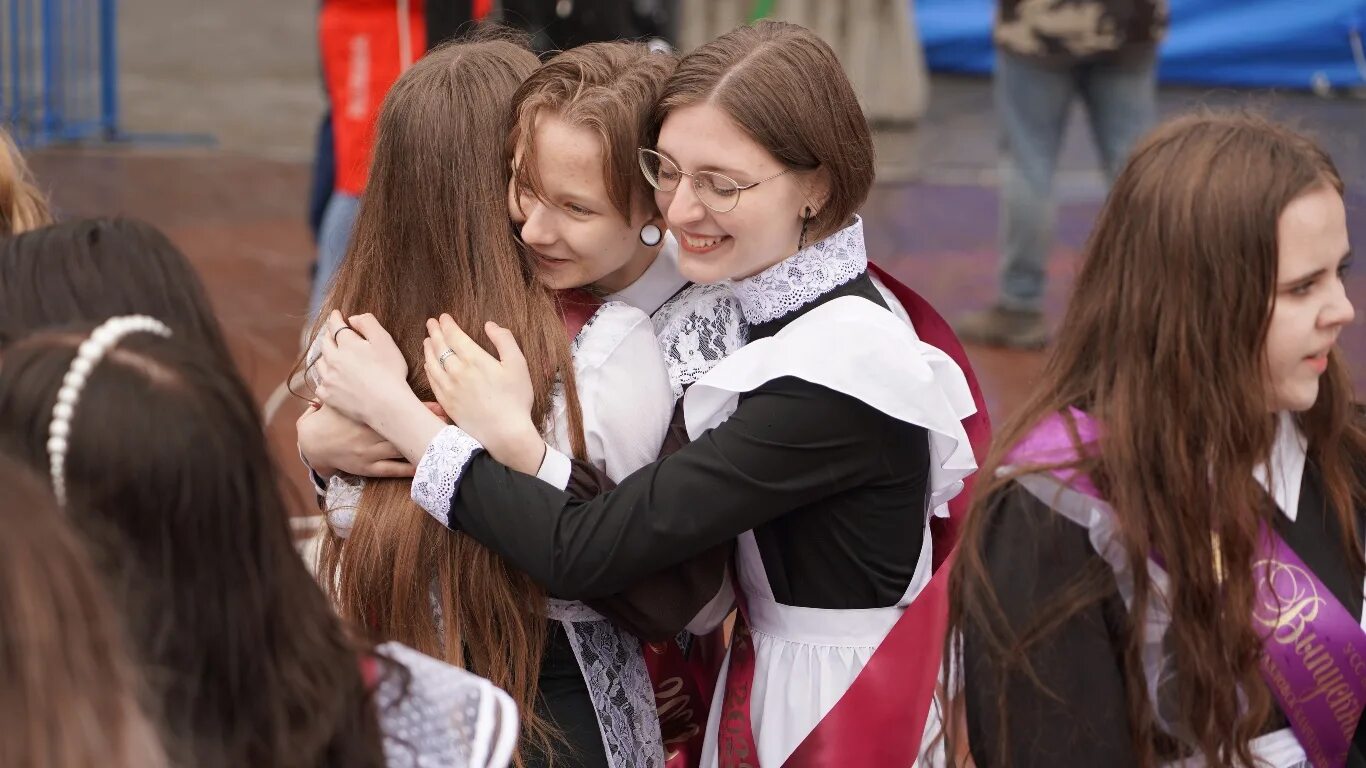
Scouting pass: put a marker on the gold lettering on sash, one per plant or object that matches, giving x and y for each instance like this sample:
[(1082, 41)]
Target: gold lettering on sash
[(1354, 658), (733, 731), (1288, 608), (674, 706), (1290, 603)]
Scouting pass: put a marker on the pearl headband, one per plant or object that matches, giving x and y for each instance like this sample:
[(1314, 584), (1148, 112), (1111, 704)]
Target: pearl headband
[(88, 355)]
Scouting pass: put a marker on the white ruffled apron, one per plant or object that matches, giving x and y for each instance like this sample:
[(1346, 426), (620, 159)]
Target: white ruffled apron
[(806, 658)]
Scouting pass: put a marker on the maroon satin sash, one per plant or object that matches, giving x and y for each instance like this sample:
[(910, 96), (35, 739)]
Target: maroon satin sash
[(683, 683)]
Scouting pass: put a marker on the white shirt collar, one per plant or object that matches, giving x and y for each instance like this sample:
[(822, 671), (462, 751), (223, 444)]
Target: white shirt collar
[(657, 284), (804, 276), (1283, 473)]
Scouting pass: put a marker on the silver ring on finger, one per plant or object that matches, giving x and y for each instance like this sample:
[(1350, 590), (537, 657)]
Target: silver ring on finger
[(441, 361)]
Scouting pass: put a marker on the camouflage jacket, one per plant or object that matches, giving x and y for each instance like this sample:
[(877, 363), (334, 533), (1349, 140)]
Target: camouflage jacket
[(1078, 30)]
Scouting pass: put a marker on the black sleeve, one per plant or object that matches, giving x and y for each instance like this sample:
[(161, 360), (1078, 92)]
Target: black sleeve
[(659, 606), (1032, 554), (788, 444)]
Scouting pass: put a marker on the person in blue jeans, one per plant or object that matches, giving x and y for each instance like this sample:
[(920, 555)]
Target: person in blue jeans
[(334, 235), (1049, 52)]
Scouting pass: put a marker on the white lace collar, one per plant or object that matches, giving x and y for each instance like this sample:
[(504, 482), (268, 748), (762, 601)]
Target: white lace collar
[(804, 276)]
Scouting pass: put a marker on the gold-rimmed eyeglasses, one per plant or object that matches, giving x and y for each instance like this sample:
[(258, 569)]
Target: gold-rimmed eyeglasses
[(717, 191)]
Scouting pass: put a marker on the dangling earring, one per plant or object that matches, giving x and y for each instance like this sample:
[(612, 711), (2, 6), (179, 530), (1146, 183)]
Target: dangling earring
[(806, 221), (651, 235)]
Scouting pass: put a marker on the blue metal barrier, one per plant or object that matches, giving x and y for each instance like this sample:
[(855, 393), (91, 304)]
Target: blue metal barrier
[(60, 70)]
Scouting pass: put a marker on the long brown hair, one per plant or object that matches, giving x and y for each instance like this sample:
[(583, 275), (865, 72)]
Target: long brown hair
[(169, 481), (784, 86), (71, 692), (1163, 343), (22, 206), (433, 235), (609, 88)]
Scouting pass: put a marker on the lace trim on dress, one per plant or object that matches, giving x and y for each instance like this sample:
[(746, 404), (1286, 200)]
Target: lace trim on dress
[(697, 329), (623, 697), (804, 276)]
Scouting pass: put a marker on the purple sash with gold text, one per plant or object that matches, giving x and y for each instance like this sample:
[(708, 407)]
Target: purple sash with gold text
[(1314, 652)]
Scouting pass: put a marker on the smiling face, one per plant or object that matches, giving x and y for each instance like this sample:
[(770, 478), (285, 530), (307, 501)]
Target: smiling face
[(765, 225), (578, 235), (1310, 306)]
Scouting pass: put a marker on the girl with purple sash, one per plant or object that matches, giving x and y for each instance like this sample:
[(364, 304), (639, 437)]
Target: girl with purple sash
[(1166, 567)]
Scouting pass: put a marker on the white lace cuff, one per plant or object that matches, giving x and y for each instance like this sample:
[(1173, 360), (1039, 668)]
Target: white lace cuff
[(342, 498), (439, 471), (555, 468)]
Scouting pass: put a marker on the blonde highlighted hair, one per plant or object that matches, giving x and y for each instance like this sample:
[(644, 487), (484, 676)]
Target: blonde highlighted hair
[(22, 206)]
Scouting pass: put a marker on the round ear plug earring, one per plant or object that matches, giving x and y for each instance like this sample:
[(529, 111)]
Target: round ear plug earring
[(651, 235)]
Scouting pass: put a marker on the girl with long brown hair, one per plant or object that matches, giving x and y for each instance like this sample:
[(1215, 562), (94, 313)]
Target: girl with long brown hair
[(432, 237), (154, 450), (1168, 560), (824, 444), (72, 694)]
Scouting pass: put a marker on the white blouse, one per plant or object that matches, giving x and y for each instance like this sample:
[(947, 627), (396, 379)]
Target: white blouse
[(624, 393)]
